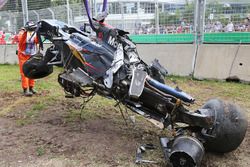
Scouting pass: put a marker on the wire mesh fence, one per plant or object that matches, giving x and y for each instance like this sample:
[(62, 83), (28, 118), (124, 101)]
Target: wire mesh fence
[(227, 16), (161, 20), (227, 21)]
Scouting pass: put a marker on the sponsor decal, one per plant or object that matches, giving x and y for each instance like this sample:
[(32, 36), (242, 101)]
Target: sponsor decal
[(112, 42)]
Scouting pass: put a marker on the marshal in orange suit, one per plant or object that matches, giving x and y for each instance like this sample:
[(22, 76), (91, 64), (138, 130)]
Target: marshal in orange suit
[(27, 46)]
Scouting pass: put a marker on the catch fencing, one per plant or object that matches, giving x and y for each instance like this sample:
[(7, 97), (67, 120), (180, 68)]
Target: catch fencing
[(227, 21), (148, 21)]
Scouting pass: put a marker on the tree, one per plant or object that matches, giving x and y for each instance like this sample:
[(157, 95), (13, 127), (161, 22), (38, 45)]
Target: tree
[(166, 18), (186, 13), (248, 9), (226, 12)]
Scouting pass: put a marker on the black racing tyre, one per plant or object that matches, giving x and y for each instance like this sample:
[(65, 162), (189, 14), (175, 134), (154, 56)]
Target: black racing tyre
[(229, 128), (36, 67)]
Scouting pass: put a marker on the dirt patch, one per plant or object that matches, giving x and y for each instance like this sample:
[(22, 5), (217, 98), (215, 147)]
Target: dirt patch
[(8, 99), (58, 135), (51, 134)]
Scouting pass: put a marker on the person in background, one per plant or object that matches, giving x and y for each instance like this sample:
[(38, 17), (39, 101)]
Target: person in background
[(229, 27), (14, 38), (247, 23), (179, 29), (218, 26), (27, 46), (2, 39)]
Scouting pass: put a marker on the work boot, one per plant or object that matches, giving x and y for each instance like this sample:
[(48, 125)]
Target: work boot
[(32, 90), (27, 93)]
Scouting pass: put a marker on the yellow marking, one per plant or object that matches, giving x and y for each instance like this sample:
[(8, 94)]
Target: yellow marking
[(77, 54)]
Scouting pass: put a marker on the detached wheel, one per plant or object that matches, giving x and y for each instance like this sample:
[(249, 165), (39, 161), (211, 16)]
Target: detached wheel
[(186, 151), (35, 67), (229, 128)]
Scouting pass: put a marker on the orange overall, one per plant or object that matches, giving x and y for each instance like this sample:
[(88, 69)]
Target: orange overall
[(23, 57)]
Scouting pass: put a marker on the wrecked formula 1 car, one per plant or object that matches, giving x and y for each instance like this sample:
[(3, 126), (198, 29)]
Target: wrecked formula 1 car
[(108, 64)]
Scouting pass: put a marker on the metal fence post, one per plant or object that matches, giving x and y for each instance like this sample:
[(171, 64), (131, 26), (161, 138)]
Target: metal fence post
[(157, 31), (52, 13), (122, 12), (199, 24), (95, 6), (4, 54), (11, 24), (25, 11), (68, 12), (37, 15)]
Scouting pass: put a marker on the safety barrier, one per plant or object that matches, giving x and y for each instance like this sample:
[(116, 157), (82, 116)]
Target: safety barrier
[(162, 38), (177, 58), (223, 37), (233, 37), (8, 54), (223, 61), (2, 54), (209, 61)]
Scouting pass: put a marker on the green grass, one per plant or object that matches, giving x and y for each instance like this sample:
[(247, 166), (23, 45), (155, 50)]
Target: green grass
[(200, 90), (227, 88), (207, 89), (38, 106), (30, 114), (23, 122), (94, 109), (40, 151), (10, 79)]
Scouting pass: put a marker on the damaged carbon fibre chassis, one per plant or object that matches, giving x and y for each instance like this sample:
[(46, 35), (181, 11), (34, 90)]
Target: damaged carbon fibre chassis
[(108, 64)]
